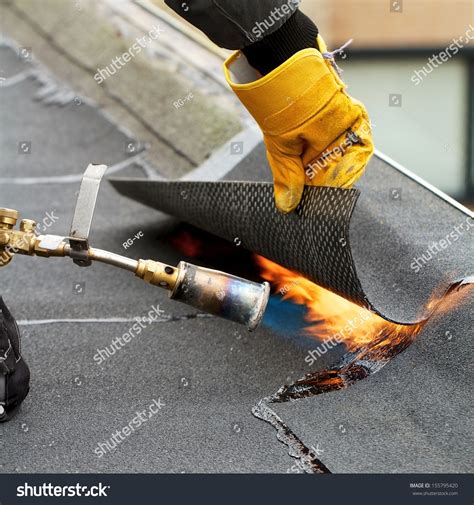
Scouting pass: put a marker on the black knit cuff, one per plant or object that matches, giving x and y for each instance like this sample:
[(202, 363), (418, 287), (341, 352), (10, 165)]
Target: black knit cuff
[(296, 34)]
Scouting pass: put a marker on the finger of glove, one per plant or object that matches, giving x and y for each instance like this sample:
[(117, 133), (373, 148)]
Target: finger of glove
[(288, 178)]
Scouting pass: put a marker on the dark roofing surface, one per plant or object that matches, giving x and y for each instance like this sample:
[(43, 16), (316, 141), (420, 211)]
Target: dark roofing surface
[(414, 415)]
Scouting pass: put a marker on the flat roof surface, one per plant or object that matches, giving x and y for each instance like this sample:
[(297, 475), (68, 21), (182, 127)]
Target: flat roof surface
[(414, 415)]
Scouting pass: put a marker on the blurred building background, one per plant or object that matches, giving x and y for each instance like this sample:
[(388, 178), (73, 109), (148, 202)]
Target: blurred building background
[(411, 62), (424, 120)]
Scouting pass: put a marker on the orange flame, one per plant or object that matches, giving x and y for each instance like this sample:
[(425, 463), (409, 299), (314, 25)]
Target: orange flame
[(333, 318), (187, 243)]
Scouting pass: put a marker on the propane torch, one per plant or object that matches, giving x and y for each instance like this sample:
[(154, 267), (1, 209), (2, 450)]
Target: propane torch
[(211, 291)]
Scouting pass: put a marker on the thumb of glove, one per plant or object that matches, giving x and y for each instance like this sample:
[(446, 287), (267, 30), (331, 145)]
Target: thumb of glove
[(289, 178)]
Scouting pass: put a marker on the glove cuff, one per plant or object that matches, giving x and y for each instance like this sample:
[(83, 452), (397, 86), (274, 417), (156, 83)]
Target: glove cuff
[(289, 95), (296, 34)]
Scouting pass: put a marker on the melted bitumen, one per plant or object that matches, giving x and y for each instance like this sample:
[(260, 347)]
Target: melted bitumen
[(351, 368)]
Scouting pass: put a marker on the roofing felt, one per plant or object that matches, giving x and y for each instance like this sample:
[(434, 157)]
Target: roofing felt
[(322, 240), (394, 226)]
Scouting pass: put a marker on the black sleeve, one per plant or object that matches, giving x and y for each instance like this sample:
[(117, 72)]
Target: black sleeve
[(235, 24), (14, 372)]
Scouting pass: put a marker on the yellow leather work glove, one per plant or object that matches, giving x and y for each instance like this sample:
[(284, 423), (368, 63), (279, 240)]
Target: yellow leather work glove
[(315, 133)]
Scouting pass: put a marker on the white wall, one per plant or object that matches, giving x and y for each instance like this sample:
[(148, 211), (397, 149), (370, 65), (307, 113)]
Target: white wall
[(428, 134)]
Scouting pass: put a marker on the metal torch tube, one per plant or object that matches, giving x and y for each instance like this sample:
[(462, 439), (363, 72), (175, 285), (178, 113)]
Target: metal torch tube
[(109, 258), (215, 292)]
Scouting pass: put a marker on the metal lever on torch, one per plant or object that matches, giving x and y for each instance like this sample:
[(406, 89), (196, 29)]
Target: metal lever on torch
[(215, 292)]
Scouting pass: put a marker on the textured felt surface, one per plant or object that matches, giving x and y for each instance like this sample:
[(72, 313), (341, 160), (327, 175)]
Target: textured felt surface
[(394, 222), (72, 132), (416, 414), (314, 240)]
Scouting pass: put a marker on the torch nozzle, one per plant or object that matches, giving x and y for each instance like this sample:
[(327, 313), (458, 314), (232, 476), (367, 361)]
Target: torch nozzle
[(221, 294), (211, 291)]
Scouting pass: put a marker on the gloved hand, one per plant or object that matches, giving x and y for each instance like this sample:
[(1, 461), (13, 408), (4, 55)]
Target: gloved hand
[(14, 372), (315, 133)]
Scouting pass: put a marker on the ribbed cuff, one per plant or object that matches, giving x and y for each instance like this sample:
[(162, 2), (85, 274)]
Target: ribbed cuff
[(296, 34)]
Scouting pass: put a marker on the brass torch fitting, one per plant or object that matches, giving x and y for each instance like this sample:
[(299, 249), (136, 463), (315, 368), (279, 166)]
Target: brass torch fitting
[(14, 241), (157, 274), (24, 239), (8, 218)]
